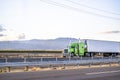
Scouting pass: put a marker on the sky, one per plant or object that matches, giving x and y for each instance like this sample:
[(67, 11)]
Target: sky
[(50, 19)]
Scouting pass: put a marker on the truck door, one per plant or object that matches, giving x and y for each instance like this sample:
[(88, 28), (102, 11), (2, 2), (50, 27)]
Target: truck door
[(81, 49)]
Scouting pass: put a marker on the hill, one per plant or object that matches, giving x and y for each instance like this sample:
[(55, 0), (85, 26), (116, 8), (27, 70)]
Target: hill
[(53, 44)]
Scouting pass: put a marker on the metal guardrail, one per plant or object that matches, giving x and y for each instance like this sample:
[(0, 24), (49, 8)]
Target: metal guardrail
[(59, 61)]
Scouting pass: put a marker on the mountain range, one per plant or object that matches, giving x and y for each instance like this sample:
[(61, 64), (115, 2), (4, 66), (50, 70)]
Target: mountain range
[(37, 44)]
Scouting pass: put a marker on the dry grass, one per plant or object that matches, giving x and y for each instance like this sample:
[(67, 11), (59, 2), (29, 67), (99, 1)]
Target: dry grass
[(38, 68)]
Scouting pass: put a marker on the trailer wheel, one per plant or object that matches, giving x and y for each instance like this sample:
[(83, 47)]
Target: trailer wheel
[(114, 54), (106, 54)]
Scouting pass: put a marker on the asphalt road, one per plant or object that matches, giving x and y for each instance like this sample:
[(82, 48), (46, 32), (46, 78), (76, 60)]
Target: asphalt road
[(104, 73)]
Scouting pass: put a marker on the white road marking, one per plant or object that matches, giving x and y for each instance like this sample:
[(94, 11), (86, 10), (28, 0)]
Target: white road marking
[(102, 72)]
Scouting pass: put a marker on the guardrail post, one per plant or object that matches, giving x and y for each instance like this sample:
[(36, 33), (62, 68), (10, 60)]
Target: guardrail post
[(119, 63), (102, 57), (100, 64), (6, 60), (51, 66), (110, 64), (69, 58), (26, 68), (81, 57), (64, 66), (41, 59), (111, 57), (8, 69), (89, 65), (92, 57), (24, 60), (56, 59), (0, 70), (78, 65)]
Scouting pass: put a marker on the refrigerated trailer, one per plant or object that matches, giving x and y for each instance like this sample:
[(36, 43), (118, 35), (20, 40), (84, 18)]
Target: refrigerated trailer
[(88, 47), (105, 48), (102, 46)]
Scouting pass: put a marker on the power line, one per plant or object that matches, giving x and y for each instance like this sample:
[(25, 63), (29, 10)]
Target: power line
[(76, 9), (93, 7)]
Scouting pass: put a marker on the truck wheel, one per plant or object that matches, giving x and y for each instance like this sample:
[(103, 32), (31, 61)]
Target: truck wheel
[(87, 55), (72, 54)]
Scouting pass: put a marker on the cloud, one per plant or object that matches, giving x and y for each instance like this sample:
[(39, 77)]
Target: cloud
[(11, 35), (111, 32), (2, 35), (1, 31), (21, 36), (1, 28)]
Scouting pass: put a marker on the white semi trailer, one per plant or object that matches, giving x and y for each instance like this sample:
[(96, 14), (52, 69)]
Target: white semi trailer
[(102, 47)]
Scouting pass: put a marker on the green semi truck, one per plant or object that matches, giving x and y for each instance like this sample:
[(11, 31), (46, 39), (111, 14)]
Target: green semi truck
[(90, 48)]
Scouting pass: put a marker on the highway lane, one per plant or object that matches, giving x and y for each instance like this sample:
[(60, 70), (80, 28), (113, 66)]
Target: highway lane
[(104, 73)]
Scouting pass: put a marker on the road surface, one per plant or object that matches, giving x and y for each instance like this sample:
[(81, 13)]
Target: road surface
[(104, 73)]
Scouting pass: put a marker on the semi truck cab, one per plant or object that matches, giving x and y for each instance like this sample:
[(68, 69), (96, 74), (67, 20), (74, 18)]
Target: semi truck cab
[(76, 49)]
